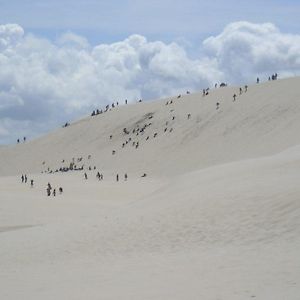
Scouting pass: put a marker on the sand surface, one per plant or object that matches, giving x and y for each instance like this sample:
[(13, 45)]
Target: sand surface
[(216, 217)]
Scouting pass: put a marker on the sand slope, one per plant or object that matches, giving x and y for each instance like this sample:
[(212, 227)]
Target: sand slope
[(217, 217), (263, 121)]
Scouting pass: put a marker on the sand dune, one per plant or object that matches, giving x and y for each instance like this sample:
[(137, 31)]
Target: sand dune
[(216, 217)]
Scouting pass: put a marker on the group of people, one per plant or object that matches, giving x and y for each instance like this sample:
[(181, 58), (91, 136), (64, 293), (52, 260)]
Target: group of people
[(52, 191), (273, 77), (24, 140), (107, 107)]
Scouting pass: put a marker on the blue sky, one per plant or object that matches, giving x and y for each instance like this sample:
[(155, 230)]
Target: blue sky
[(166, 20), (60, 59)]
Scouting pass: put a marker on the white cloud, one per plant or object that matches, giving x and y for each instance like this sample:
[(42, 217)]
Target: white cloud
[(245, 49), (48, 83)]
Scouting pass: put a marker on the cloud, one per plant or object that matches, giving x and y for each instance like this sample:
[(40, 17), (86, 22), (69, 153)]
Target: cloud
[(43, 84), (244, 50)]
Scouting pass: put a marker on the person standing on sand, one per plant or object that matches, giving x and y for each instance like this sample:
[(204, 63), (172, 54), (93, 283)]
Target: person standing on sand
[(22, 178), (31, 182), (85, 176), (98, 176), (25, 178), (117, 177), (54, 193), (125, 176)]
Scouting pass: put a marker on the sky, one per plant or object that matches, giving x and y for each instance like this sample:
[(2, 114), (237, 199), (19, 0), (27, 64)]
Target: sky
[(61, 59)]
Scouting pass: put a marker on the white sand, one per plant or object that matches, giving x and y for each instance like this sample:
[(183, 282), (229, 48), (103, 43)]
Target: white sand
[(217, 217)]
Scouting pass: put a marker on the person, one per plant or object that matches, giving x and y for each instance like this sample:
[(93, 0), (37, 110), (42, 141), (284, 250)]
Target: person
[(126, 101), (257, 80), (189, 116), (241, 91), (234, 96), (22, 178), (117, 177), (54, 193), (85, 176), (246, 88), (25, 178), (144, 175), (31, 182), (98, 175), (24, 139), (125, 176), (218, 104), (60, 190), (18, 141), (48, 192)]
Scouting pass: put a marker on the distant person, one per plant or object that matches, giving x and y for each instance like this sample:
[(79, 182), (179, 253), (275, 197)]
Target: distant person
[(24, 139), (125, 176), (257, 80), (25, 178), (60, 190), (22, 178), (54, 193), (31, 182), (144, 175), (246, 88), (241, 91), (117, 177), (234, 97), (18, 141), (85, 176)]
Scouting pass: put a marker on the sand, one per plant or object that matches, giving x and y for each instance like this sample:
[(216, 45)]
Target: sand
[(216, 217)]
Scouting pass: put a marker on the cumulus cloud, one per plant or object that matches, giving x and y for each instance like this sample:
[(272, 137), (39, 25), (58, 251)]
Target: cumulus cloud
[(245, 49), (44, 84)]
